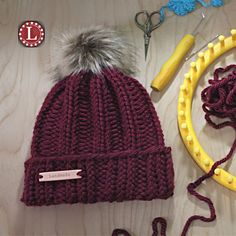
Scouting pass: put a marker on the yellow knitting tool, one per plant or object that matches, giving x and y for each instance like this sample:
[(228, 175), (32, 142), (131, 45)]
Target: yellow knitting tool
[(187, 90), (169, 69)]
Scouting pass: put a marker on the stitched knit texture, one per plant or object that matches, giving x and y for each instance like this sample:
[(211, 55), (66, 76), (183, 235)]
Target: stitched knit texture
[(107, 126)]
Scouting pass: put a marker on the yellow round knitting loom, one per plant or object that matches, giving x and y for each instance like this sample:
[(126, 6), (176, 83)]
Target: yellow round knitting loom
[(187, 90)]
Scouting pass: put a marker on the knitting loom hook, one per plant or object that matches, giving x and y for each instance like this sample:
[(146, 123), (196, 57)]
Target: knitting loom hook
[(147, 26), (199, 23), (200, 49)]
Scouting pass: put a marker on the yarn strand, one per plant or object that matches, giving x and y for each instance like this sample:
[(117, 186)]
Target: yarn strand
[(117, 232), (191, 189), (163, 225), (160, 220), (219, 101)]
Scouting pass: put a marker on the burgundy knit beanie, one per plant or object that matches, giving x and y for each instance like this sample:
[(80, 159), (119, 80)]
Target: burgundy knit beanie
[(98, 125)]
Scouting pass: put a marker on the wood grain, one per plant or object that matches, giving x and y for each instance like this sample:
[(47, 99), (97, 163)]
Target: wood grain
[(24, 83)]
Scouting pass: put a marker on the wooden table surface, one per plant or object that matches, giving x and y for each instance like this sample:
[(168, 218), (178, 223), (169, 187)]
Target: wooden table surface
[(24, 83)]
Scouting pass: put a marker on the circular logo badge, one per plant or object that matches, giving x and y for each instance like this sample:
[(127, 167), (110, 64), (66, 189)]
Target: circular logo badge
[(31, 34)]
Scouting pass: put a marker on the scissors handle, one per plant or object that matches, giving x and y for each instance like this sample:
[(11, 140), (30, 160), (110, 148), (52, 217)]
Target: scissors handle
[(147, 26), (158, 23), (142, 26)]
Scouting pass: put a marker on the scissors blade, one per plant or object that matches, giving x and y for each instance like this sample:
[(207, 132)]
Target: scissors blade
[(146, 50), (146, 44)]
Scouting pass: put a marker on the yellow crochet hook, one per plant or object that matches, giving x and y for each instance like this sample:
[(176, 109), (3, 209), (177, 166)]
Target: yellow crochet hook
[(169, 69)]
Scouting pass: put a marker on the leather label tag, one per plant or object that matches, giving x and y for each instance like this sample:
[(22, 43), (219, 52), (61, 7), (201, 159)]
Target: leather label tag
[(59, 175)]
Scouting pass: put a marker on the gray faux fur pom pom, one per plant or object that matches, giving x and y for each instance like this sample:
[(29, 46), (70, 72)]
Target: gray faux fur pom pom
[(93, 50)]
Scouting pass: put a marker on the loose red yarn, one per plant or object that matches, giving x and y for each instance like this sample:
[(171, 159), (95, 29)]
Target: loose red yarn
[(163, 224), (219, 101)]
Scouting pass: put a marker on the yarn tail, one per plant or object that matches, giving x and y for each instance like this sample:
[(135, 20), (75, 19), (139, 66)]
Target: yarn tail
[(191, 189), (160, 220), (214, 3), (117, 232), (162, 13), (163, 225)]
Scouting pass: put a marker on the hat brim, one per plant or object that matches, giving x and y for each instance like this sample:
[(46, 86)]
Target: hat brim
[(129, 175)]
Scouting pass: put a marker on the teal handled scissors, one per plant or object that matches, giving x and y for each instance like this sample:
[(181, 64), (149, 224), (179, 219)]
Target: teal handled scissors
[(147, 25)]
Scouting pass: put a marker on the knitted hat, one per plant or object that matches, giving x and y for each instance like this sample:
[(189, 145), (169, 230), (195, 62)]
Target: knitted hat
[(99, 122)]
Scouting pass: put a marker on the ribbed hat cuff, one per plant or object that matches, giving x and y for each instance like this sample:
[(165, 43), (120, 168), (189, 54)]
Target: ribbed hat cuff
[(127, 175)]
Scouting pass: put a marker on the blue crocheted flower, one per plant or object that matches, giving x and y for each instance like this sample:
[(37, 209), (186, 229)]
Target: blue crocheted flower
[(181, 7), (217, 3)]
